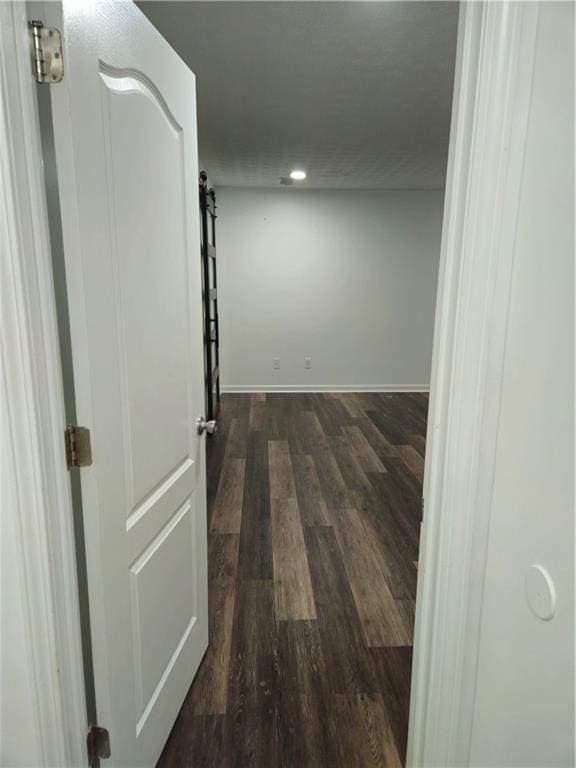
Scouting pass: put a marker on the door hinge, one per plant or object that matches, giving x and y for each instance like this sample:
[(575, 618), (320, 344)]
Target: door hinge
[(98, 742), (46, 50), (78, 447)]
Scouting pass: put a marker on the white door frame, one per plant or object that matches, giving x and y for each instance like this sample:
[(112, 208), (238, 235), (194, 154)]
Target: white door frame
[(495, 58), (35, 487), (493, 77)]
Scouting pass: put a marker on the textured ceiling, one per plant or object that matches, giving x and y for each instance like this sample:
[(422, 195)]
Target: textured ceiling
[(356, 93)]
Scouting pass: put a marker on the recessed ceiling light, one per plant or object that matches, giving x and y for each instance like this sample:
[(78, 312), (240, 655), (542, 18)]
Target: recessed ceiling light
[(298, 175)]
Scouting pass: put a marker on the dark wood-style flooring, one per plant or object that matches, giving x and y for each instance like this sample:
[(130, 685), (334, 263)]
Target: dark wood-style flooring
[(314, 520)]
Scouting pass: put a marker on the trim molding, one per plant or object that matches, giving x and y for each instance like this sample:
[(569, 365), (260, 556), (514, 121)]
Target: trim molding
[(496, 50), (239, 388), (37, 490)]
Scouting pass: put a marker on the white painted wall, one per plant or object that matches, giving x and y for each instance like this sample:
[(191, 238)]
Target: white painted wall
[(524, 712), (346, 278)]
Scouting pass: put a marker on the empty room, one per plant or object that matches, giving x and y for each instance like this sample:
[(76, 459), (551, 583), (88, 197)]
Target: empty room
[(287, 384), (323, 137)]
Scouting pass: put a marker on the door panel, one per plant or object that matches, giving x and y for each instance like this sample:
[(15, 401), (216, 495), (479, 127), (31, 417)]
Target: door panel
[(125, 134), (160, 626), (145, 165)]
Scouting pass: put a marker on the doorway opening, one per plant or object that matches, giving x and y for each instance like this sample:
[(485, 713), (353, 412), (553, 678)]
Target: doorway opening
[(125, 170), (326, 299)]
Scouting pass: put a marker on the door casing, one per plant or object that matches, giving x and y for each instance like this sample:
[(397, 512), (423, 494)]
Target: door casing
[(495, 61), (49, 714)]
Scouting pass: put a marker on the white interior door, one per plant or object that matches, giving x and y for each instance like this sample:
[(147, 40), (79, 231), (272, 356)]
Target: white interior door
[(125, 133)]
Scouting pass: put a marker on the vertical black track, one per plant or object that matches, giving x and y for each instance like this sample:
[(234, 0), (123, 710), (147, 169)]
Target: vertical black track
[(210, 298)]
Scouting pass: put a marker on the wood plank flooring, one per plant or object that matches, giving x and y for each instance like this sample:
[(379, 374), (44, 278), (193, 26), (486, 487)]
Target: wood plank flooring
[(314, 522)]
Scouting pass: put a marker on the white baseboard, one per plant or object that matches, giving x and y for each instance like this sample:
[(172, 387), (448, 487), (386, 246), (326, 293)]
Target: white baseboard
[(248, 388)]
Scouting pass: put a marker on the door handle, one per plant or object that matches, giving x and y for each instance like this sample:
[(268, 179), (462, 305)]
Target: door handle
[(205, 426)]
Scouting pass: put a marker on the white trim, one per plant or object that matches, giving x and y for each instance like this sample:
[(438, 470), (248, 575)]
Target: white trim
[(496, 49), (239, 388), (33, 419)]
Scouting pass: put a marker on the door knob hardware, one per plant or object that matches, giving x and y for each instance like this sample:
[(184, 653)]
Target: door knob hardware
[(205, 426)]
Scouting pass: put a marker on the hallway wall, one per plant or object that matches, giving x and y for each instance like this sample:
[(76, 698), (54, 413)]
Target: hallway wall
[(347, 278)]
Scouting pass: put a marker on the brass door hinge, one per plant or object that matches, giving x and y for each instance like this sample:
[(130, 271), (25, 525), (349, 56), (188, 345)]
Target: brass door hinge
[(78, 448), (46, 52)]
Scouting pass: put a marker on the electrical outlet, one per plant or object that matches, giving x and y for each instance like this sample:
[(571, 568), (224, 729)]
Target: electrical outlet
[(276, 363), (307, 363)]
